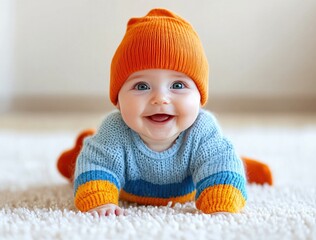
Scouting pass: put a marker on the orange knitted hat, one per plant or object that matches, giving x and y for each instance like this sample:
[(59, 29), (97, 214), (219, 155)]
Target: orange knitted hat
[(159, 40)]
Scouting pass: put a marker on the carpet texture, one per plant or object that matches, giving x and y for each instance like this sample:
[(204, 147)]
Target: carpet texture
[(37, 203)]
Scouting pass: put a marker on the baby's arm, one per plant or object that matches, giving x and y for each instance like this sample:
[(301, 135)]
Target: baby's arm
[(100, 167), (106, 210), (220, 180), (217, 171)]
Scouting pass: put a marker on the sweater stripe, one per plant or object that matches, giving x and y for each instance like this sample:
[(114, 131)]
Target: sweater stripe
[(95, 175), (222, 178), (155, 201), (146, 189)]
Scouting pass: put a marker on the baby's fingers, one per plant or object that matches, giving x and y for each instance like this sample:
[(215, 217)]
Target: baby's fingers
[(109, 211), (120, 212)]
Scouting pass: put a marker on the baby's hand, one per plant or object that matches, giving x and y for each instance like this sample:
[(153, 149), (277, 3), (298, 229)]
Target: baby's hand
[(106, 210)]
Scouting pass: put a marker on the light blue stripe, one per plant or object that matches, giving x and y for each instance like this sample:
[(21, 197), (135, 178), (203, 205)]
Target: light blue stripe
[(213, 167), (146, 189), (88, 167), (226, 178), (95, 175)]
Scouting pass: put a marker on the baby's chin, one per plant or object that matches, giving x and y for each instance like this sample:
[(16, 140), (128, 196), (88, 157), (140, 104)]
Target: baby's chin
[(159, 140)]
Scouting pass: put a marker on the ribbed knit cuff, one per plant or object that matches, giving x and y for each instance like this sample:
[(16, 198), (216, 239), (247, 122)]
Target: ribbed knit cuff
[(94, 194), (93, 201), (221, 198)]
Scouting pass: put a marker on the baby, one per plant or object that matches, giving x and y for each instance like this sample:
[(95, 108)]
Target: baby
[(161, 146)]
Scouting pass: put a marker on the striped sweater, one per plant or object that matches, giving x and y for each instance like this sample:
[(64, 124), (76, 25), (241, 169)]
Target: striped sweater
[(201, 165)]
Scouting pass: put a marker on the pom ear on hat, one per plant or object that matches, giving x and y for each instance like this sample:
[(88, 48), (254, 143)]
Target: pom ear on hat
[(159, 40)]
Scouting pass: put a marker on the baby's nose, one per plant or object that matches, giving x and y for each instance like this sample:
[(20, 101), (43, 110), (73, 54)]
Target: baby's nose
[(160, 99)]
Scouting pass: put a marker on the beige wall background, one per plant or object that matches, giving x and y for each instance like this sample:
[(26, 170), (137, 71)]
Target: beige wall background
[(56, 54)]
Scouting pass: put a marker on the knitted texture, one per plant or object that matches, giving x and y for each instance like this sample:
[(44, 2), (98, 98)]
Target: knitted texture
[(159, 40), (201, 164)]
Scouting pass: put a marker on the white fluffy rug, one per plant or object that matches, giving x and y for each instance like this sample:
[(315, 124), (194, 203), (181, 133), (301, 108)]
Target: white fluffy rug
[(36, 203)]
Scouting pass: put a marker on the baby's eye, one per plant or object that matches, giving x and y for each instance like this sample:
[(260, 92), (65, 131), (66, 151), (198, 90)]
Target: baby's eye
[(141, 86), (178, 85)]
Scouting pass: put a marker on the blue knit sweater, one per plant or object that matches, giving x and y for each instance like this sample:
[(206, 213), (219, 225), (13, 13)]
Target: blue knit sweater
[(202, 165)]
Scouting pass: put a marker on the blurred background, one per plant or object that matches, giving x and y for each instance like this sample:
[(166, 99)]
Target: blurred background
[(55, 55)]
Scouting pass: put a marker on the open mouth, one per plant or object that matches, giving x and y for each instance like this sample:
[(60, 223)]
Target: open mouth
[(160, 118)]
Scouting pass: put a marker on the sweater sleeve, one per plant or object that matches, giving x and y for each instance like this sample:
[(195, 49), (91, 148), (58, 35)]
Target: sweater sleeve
[(218, 173), (99, 173)]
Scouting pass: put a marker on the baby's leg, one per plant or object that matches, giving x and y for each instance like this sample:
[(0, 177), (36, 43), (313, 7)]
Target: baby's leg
[(257, 172), (67, 161)]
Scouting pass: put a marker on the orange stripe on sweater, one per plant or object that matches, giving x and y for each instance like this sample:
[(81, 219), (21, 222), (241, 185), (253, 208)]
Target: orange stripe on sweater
[(156, 201)]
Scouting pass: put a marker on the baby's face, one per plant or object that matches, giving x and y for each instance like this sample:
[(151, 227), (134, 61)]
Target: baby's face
[(159, 104)]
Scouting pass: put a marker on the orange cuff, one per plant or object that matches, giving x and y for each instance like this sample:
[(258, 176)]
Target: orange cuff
[(221, 198), (96, 193)]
